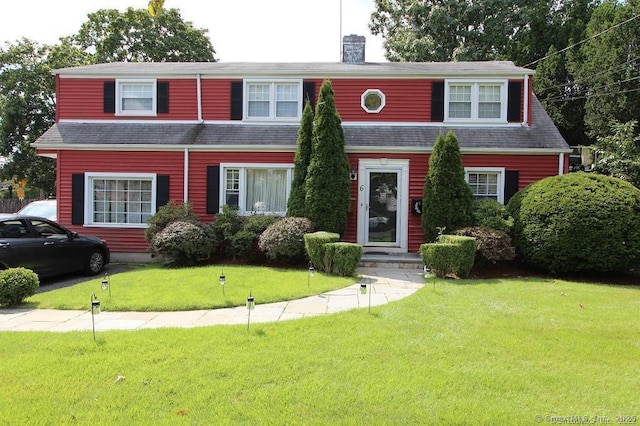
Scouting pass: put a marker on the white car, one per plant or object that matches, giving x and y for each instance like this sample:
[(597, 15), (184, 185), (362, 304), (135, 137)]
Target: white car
[(42, 208)]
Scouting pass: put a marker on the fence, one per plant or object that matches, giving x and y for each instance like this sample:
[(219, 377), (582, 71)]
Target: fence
[(12, 205)]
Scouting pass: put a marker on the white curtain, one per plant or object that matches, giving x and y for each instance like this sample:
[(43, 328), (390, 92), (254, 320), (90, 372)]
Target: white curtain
[(266, 190)]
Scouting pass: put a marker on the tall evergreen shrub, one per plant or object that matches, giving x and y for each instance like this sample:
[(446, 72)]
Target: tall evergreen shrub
[(447, 198), (327, 186), (296, 204)]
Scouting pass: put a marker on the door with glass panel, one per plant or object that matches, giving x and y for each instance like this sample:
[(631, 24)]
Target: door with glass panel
[(382, 220)]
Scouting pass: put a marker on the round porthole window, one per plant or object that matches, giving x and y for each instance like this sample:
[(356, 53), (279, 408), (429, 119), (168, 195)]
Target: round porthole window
[(372, 100)]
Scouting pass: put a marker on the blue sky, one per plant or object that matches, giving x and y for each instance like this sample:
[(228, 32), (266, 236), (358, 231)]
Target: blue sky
[(240, 30)]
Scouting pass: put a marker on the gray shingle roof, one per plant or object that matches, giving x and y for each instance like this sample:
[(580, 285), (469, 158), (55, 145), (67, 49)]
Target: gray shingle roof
[(543, 135), (300, 70)]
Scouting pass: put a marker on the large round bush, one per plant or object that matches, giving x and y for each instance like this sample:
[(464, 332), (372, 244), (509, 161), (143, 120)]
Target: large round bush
[(580, 221), (185, 243), (283, 240), (16, 284)]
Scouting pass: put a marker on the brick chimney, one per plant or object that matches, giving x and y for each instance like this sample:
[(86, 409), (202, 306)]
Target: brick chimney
[(353, 49)]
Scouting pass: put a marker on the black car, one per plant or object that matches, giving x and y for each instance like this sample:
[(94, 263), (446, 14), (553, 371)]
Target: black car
[(48, 248)]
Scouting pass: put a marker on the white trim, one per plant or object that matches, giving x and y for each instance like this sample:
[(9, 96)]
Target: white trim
[(368, 92), (561, 164), (525, 103), (242, 208), (88, 197), (138, 113), (475, 93), (500, 171), (185, 177), (199, 97), (272, 99)]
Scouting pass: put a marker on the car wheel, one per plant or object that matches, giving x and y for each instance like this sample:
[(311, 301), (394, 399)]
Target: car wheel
[(95, 262)]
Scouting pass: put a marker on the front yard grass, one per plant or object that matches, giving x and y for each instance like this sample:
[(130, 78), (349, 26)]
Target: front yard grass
[(526, 351), (154, 288)]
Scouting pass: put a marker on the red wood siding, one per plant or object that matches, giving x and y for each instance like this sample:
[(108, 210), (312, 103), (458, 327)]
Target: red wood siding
[(70, 162), (216, 99), (79, 99)]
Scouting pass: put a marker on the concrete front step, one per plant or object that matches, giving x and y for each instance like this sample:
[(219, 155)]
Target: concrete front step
[(391, 260)]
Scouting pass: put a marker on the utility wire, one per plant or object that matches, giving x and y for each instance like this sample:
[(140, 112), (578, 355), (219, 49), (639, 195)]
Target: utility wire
[(614, 68), (582, 41)]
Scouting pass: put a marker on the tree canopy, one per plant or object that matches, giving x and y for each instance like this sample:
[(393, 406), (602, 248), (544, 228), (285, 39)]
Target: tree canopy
[(27, 87), (134, 36)]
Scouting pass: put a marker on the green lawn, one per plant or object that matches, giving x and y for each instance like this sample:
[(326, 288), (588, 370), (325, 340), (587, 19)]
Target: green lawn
[(468, 352), (154, 288)]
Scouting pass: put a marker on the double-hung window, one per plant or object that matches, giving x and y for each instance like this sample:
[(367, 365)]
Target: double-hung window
[(273, 100), (120, 199), (136, 97), (486, 183), (476, 101), (256, 188)]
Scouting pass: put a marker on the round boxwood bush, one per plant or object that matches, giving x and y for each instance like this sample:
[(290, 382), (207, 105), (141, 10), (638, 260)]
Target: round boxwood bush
[(283, 240), (16, 284), (184, 243), (578, 222), (492, 214)]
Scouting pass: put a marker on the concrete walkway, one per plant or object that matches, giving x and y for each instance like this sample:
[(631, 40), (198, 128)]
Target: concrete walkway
[(386, 284)]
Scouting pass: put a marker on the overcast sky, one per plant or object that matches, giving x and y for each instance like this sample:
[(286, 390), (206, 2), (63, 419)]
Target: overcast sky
[(240, 30)]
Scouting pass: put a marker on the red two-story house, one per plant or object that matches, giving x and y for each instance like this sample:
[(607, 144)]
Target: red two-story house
[(129, 137)]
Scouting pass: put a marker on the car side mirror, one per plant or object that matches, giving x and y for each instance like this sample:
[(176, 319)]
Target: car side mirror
[(73, 234)]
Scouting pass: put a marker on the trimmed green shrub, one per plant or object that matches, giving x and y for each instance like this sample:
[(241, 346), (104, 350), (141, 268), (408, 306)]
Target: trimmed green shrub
[(578, 222), (184, 243), (447, 198), (463, 262), (16, 284), (490, 213), (343, 257), (492, 245), (283, 240), (314, 246), (224, 227), (169, 213), (440, 258), (296, 206), (244, 243)]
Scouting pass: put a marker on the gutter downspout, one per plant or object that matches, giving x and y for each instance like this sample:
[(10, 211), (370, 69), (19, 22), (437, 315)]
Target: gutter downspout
[(561, 164), (199, 97), (526, 101), (185, 196)]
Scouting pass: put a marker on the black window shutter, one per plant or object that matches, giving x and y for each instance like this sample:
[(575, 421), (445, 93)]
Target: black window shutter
[(109, 98), (213, 189), (77, 199), (309, 94), (162, 99), (437, 101), (513, 101), (162, 191), (236, 100), (510, 184)]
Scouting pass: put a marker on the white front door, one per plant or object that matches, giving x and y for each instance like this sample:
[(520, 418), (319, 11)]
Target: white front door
[(382, 204)]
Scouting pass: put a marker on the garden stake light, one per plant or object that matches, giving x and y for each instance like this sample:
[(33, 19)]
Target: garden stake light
[(363, 288), (106, 284), (428, 274), (222, 280), (95, 310), (312, 272), (251, 303)]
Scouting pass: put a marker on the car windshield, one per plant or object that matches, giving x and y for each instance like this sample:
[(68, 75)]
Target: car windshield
[(41, 209)]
